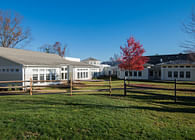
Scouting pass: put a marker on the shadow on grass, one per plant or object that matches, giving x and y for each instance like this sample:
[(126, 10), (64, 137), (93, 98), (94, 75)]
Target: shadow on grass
[(62, 105)]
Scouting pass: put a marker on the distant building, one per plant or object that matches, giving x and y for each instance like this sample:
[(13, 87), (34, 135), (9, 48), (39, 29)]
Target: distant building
[(100, 68), (164, 67)]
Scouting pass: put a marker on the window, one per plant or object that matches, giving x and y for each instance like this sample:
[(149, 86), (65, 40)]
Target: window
[(169, 66), (62, 69), (130, 73), (126, 73), (164, 67), (66, 68), (62, 76), (139, 73), (48, 76), (53, 77), (181, 66), (86, 74), (81, 75), (7, 70), (175, 74), (17, 70), (41, 78), (187, 66), (151, 73), (188, 74), (35, 77), (181, 74), (135, 73), (3, 70), (159, 74), (175, 66), (12, 70), (66, 75), (169, 74), (78, 74)]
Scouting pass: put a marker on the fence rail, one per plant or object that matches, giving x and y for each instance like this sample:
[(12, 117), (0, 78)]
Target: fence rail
[(67, 85)]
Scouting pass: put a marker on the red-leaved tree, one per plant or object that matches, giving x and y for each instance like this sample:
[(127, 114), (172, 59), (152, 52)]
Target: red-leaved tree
[(132, 56)]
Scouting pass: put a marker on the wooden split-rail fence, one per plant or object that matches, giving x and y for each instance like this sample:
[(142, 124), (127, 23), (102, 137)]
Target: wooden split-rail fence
[(66, 85)]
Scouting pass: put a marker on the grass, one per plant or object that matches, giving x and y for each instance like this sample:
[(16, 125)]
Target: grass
[(142, 114)]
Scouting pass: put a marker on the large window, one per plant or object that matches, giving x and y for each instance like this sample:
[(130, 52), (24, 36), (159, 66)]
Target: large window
[(135, 73), (126, 73), (35, 77), (48, 76), (139, 73), (78, 74), (66, 75), (62, 76), (86, 74), (175, 74), (181, 74), (53, 76), (42, 78), (188, 74), (169, 74), (151, 73), (130, 73)]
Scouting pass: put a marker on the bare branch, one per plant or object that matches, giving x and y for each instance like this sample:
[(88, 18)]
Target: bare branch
[(12, 34)]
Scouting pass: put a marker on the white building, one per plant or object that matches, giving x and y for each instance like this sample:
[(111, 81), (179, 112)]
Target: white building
[(180, 69), (141, 75), (99, 68), (18, 64)]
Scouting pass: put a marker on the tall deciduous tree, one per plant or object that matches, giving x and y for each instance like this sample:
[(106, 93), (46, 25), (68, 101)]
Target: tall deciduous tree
[(12, 34), (56, 48), (132, 56)]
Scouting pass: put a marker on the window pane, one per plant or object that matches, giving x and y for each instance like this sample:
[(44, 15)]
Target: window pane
[(140, 73), (169, 74), (35, 77), (126, 73), (48, 76), (53, 77), (42, 77), (188, 74), (86, 74), (62, 76), (175, 74), (181, 74), (66, 75), (135, 73)]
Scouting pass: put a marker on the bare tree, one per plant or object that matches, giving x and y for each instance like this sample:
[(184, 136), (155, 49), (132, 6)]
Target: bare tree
[(12, 34), (56, 48), (114, 59), (189, 29)]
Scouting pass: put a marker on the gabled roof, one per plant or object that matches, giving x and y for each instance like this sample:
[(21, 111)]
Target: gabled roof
[(156, 59), (26, 57), (177, 62), (90, 59)]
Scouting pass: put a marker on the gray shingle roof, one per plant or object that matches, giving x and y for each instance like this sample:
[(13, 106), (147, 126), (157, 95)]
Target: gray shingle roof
[(90, 59), (177, 62), (26, 57)]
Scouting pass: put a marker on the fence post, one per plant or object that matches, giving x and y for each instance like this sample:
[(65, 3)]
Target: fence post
[(125, 90), (70, 86), (31, 84), (175, 90), (110, 87)]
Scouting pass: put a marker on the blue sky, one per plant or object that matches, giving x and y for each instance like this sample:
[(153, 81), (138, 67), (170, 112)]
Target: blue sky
[(97, 28)]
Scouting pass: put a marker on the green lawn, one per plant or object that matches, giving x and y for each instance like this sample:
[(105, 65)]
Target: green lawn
[(142, 114)]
